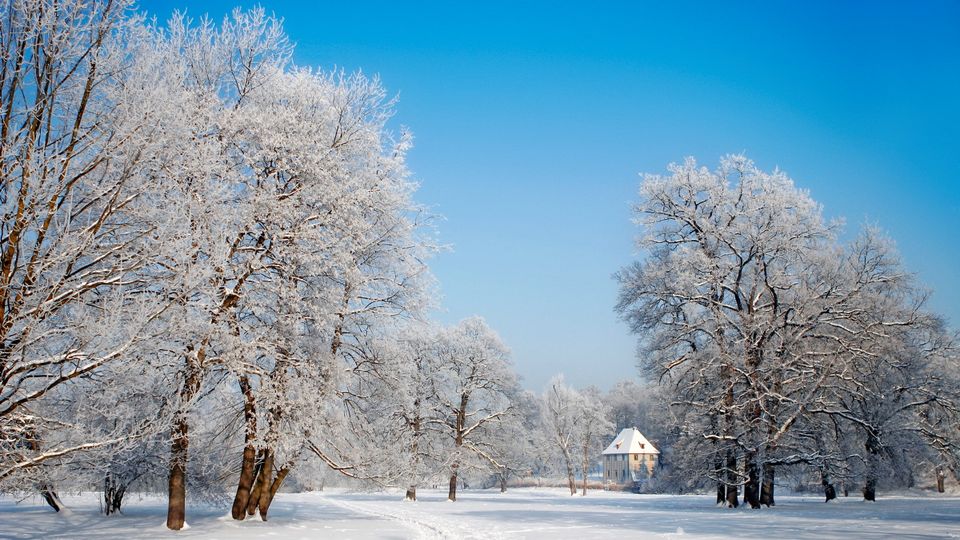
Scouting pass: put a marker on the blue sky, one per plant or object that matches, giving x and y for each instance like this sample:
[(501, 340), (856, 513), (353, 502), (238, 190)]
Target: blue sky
[(533, 120)]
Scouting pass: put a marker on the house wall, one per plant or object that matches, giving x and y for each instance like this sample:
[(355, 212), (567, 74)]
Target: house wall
[(620, 468)]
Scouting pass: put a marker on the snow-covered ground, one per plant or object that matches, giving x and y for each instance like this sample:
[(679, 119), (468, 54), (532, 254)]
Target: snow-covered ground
[(520, 513)]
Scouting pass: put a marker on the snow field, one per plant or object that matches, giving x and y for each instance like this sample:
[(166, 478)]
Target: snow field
[(518, 514)]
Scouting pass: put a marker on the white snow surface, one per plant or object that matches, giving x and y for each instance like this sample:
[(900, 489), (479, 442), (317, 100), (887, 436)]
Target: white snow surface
[(519, 513)]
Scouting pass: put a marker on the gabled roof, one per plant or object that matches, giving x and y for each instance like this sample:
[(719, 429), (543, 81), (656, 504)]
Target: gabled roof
[(630, 441)]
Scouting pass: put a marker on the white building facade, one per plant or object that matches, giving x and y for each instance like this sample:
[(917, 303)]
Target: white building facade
[(629, 458)]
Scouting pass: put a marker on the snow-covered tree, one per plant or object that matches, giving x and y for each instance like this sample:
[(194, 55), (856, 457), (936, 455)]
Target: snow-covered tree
[(282, 227), (576, 422), (511, 445), (77, 145), (472, 389), (594, 424), (561, 414), (749, 308)]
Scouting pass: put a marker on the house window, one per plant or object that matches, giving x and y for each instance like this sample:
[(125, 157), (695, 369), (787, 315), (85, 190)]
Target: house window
[(636, 457)]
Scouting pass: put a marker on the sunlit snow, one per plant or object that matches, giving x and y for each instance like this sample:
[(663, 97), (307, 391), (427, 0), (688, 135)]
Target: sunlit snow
[(519, 513)]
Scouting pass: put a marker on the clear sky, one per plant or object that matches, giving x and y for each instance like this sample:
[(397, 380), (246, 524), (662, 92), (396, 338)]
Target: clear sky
[(533, 120)]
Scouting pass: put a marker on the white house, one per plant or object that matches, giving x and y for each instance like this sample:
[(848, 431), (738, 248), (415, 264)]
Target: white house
[(629, 457)]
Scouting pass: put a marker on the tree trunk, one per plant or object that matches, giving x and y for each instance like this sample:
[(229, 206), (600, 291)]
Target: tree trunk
[(586, 465), (828, 491), (113, 493), (941, 476), (458, 444), (751, 469), (249, 461), (257, 484), (873, 448), (452, 492), (176, 485), (416, 425), (726, 373), (180, 443), (766, 489), (870, 489), (49, 495), (265, 502), (503, 481), (751, 490), (721, 487), (248, 473), (732, 501), (266, 475), (571, 482)]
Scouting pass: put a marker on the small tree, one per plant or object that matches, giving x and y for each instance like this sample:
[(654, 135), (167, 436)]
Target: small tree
[(561, 414), (593, 423)]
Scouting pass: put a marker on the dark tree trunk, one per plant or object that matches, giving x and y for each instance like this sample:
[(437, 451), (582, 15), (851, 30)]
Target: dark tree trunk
[(726, 373), (503, 482), (452, 492), (266, 474), (411, 493), (873, 448), (769, 481), (870, 489), (941, 476), (732, 501), (267, 482), (265, 502), (51, 497), (460, 426), (180, 444), (751, 490), (245, 484), (249, 461), (721, 487), (257, 485), (828, 491), (113, 493), (176, 485)]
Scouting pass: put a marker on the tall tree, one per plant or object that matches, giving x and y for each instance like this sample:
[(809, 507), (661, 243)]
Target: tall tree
[(472, 388), (751, 310), (76, 147)]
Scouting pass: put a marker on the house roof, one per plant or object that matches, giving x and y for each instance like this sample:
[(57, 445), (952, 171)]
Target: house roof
[(630, 441)]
